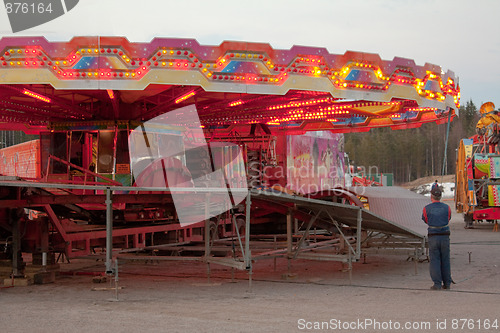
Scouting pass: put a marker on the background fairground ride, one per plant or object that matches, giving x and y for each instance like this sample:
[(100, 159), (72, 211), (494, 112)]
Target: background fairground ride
[(267, 129)]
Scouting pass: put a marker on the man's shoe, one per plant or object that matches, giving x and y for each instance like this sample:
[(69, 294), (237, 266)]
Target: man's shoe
[(435, 288), (446, 287)]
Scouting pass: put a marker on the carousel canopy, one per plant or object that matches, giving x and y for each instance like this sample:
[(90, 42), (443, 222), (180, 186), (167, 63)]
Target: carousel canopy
[(233, 85)]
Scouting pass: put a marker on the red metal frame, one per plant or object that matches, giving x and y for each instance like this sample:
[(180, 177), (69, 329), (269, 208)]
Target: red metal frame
[(239, 89)]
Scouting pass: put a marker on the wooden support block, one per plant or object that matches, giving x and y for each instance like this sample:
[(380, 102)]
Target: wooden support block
[(44, 277), (99, 279), (36, 268), (18, 282), (289, 276)]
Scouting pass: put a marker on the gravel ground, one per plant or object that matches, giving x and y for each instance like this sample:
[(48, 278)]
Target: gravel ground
[(385, 296)]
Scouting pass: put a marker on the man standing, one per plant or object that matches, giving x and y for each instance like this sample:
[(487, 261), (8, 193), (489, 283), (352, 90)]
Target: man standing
[(435, 185), (437, 215)]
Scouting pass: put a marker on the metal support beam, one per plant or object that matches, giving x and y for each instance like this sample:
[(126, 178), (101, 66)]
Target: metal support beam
[(339, 229), (446, 144), (17, 258), (236, 228), (109, 232), (289, 238), (289, 219), (248, 255), (44, 241), (306, 234), (207, 235), (358, 234)]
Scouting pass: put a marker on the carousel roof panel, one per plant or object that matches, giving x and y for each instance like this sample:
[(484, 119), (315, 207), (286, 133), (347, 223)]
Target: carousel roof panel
[(233, 84)]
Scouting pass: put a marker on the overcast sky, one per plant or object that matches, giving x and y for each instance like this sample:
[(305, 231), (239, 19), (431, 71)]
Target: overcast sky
[(460, 35)]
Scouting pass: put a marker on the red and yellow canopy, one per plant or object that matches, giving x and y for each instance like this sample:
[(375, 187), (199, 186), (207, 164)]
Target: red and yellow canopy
[(232, 85)]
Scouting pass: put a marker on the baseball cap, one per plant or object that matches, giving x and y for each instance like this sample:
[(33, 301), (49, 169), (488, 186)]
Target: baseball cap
[(436, 192)]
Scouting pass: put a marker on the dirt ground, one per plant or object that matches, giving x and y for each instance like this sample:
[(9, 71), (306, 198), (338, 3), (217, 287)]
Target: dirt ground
[(385, 296)]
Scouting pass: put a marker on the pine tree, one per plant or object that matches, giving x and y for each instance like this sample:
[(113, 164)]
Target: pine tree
[(412, 153)]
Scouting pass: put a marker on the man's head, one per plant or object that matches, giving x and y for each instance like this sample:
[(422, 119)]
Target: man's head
[(436, 194)]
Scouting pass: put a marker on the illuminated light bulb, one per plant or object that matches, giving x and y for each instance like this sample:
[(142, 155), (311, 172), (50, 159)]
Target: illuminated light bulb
[(184, 97), (37, 96)]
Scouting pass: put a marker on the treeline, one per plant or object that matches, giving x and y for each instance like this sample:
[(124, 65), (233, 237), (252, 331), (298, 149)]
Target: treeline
[(412, 153), (10, 138)]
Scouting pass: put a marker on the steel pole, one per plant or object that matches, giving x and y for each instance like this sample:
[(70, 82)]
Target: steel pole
[(207, 235), (109, 232), (17, 257), (358, 233), (248, 256), (289, 233), (446, 143)]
